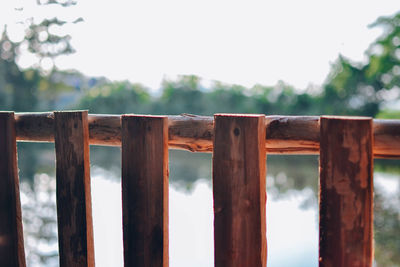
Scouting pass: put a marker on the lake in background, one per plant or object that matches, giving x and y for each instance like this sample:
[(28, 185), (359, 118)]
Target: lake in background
[(292, 208)]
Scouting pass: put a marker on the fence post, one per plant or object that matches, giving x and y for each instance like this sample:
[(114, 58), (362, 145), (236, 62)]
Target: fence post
[(11, 235), (145, 190), (239, 190), (74, 208), (346, 192)]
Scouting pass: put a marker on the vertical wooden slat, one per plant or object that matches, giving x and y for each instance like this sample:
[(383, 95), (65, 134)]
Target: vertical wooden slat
[(145, 190), (11, 235), (346, 192), (74, 208), (239, 190)]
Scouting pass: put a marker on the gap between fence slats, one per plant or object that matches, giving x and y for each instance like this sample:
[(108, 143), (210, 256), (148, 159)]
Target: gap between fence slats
[(346, 192), (239, 191), (74, 209), (145, 190), (11, 234)]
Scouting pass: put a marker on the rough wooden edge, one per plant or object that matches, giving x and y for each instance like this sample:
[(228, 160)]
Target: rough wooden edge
[(285, 134)]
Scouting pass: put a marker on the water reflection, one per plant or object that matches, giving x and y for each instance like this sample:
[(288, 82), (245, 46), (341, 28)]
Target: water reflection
[(38, 202), (387, 219), (292, 211)]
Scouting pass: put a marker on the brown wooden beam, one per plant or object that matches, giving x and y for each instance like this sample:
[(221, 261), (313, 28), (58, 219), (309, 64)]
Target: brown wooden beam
[(145, 190), (74, 208), (346, 192), (11, 234), (239, 191), (285, 134)]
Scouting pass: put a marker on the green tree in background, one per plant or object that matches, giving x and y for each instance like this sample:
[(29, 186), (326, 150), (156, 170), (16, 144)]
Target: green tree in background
[(117, 98), (361, 89), (187, 95), (21, 89)]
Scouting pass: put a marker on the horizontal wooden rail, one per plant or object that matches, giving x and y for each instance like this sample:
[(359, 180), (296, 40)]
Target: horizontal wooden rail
[(285, 134)]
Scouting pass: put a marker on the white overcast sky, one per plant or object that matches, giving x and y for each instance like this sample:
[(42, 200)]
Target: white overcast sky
[(241, 42)]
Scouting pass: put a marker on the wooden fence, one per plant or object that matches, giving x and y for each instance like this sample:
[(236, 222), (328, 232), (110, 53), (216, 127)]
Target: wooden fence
[(239, 143)]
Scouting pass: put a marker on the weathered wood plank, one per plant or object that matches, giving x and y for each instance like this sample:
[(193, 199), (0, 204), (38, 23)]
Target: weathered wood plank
[(346, 192), (11, 234), (145, 190), (74, 208), (285, 134), (239, 190)]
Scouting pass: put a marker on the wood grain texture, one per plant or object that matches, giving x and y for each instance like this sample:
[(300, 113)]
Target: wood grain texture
[(285, 134), (74, 208), (346, 192), (145, 190), (11, 234), (239, 191)]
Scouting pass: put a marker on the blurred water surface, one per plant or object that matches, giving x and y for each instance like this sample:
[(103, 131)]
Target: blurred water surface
[(292, 209)]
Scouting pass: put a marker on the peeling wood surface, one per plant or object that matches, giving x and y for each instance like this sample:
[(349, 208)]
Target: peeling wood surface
[(74, 209), (285, 134), (11, 234), (346, 193), (239, 191), (145, 190)]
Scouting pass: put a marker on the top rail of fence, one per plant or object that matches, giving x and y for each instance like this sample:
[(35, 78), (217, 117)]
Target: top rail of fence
[(284, 134)]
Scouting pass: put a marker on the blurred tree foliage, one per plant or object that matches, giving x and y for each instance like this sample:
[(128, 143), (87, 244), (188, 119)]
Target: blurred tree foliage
[(187, 95), (361, 89), (117, 98), (22, 90)]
